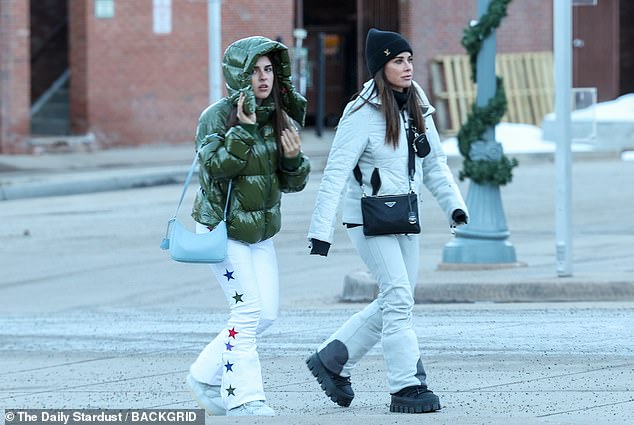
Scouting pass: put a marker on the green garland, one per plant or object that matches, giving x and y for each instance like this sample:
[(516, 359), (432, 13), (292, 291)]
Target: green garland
[(491, 171)]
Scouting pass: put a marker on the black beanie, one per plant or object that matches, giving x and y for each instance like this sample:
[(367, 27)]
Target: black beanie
[(381, 46)]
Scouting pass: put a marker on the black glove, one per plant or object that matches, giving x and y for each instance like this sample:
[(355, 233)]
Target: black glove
[(459, 217), (319, 247)]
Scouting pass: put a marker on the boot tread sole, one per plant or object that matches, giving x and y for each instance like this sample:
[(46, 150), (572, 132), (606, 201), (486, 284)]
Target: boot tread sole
[(413, 407), (315, 369)]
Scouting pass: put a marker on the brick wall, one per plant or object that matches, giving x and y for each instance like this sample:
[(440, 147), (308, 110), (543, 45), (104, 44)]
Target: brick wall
[(78, 60), (435, 29), (270, 18), (14, 76), (130, 86)]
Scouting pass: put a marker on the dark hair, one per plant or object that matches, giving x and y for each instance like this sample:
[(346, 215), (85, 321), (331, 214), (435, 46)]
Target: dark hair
[(281, 120), (390, 108)]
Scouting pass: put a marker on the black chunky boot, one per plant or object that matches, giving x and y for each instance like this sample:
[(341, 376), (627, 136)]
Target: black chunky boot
[(335, 386), (415, 399)]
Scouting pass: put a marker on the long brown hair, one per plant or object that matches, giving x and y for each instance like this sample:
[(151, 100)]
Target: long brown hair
[(390, 108), (281, 120)]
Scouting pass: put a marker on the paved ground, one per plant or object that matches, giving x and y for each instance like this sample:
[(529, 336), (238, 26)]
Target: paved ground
[(92, 314), (602, 235), (497, 364)]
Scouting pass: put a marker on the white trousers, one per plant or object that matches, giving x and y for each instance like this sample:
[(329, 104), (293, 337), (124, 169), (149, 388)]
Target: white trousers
[(393, 260), (250, 281)]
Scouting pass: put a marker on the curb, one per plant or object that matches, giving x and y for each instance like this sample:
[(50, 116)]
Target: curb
[(359, 286), (94, 182), (104, 179)]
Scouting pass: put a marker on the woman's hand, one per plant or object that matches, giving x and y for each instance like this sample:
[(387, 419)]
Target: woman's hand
[(242, 116), (459, 217), (291, 143)]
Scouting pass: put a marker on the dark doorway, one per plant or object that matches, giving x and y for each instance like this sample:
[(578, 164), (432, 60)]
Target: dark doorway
[(49, 67), (381, 14), (596, 52), (627, 47), (337, 21), (344, 25)]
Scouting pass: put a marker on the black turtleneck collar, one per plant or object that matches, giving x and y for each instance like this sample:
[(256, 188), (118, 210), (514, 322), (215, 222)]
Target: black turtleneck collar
[(401, 98)]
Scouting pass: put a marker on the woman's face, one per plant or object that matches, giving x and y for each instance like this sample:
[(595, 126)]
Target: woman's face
[(399, 71), (262, 78)]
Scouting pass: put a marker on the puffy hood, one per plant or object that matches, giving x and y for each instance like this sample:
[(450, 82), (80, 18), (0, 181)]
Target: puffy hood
[(237, 66)]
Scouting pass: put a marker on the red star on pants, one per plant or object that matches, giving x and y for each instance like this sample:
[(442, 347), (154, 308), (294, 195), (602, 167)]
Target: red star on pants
[(233, 332)]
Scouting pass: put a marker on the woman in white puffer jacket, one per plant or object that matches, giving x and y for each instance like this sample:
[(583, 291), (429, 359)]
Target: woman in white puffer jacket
[(372, 133)]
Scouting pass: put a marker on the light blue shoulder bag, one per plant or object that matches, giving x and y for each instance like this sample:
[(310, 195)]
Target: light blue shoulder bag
[(191, 247)]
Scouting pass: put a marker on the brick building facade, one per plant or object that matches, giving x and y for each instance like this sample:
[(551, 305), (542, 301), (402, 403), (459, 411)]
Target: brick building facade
[(129, 85), (437, 30), (14, 75), (138, 87)]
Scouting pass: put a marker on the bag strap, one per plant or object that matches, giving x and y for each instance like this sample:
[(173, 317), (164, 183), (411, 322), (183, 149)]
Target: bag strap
[(186, 185), (165, 243), (375, 179), (410, 150)]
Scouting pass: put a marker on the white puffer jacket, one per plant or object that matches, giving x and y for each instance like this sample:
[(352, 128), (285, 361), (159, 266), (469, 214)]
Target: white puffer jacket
[(360, 138)]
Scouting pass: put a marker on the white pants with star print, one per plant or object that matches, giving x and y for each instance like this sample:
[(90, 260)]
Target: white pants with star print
[(250, 281), (393, 260)]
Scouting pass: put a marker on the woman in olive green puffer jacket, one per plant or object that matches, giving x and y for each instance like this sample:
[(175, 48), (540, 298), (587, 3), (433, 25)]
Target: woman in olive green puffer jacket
[(248, 138), (248, 153)]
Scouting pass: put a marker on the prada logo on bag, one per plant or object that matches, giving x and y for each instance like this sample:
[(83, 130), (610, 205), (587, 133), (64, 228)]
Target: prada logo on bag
[(390, 204)]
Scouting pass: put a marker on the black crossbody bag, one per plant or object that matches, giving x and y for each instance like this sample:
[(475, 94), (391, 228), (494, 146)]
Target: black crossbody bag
[(390, 214)]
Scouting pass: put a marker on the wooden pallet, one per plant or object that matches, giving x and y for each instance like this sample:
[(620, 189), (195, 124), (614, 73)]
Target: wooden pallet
[(528, 81)]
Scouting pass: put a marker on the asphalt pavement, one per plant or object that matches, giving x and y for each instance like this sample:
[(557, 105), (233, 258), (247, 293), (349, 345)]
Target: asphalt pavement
[(91, 318), (526, 364), (602, 234)]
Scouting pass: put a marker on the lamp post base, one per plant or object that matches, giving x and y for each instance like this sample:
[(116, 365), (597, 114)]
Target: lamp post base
[(484, 239), (464, 250)]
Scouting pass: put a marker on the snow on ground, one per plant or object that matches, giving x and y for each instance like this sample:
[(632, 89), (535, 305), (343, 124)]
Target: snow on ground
[(525, 138), (619, 109), (515, 139)]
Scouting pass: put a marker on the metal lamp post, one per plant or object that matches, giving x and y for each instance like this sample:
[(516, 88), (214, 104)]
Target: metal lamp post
[(485, 239), (214, 35)]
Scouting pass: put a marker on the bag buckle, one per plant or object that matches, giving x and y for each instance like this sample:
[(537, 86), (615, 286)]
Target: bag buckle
[(165, 243)]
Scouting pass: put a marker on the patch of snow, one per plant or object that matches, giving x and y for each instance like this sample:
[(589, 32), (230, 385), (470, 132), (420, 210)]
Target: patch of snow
[(516, 139)]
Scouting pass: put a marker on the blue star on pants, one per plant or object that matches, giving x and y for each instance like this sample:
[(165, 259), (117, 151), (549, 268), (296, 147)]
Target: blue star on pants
[(228, 275), (229, 367)]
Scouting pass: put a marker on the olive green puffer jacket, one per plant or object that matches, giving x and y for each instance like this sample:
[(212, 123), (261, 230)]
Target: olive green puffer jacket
[(248, 154)]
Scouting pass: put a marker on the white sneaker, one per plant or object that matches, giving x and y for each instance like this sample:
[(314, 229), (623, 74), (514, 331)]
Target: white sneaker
[(252, 408), (207, 396)]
